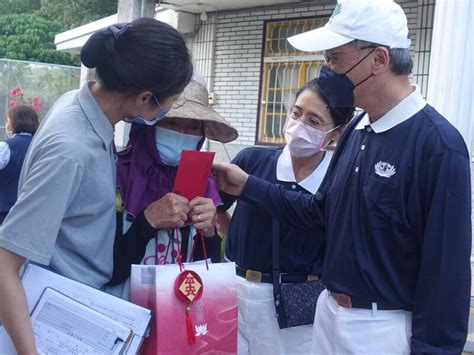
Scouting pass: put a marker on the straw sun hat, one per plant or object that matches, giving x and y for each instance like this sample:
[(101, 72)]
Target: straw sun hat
[(193, 104)]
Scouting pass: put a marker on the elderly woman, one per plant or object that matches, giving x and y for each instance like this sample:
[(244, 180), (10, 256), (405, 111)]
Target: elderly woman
[(312, 123), (153, 223)]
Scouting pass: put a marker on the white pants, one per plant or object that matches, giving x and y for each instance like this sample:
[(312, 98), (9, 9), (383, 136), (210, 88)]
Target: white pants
[(259, 333), (339, 330)]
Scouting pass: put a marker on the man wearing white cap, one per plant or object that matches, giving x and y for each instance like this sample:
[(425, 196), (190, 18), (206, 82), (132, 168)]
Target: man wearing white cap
[(395, 202)]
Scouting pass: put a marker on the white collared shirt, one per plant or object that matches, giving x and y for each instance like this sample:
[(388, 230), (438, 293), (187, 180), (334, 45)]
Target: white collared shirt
[(284, 171), (405, 109)]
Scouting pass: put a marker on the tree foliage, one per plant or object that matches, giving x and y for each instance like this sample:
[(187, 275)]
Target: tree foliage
[(31, 37), (8, 7), (28, 27), (74, 13)]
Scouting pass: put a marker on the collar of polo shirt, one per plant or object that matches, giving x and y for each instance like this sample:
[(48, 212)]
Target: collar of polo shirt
[(285, 172), (405, 109)]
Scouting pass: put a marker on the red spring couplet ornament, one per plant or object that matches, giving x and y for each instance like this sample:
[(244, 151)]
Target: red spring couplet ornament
[(188, 288)]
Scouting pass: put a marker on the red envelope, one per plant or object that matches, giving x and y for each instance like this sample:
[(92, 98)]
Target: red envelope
[(193, 173)]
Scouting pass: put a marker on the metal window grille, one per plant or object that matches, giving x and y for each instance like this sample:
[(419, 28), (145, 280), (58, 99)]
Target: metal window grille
[(203, 50), (285, 70), (424, 33)]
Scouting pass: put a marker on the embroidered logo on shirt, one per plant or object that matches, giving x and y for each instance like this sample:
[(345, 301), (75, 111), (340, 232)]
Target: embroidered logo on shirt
[(384, 169)]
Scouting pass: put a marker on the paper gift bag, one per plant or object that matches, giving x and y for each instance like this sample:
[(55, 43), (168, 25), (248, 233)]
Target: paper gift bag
[(214, 315)]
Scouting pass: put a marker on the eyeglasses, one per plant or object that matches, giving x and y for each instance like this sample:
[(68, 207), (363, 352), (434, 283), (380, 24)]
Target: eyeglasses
[(312, 121), (329, 58), (163, 111)]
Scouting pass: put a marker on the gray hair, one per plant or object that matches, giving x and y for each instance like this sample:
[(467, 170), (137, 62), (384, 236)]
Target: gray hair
[(400, 58)]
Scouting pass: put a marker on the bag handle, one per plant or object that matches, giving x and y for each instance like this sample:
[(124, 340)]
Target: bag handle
[(201, 236), (180, 257)]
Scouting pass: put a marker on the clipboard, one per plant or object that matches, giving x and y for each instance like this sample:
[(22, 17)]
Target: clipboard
[(63, 325), (36, 279), (193, 173)]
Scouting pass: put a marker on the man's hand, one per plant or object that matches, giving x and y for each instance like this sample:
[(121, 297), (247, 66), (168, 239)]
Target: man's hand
[(230, 178), (168, 212)]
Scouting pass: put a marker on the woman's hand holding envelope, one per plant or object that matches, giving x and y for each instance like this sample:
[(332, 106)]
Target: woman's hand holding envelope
[(168, 212), (203, 215)]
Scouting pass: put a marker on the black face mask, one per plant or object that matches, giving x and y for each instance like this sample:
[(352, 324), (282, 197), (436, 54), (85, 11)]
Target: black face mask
[(338, 88)]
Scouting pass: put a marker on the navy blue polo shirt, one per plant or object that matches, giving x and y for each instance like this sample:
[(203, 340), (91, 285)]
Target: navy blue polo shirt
[(249, 242), (396, 205)]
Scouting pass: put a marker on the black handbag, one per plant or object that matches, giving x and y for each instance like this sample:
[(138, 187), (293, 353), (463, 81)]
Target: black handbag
[(295, 303)]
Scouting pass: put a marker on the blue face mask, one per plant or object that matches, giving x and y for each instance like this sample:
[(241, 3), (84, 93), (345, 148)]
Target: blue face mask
[(152, 122), (142, 121), (170, 143), (338, 88)]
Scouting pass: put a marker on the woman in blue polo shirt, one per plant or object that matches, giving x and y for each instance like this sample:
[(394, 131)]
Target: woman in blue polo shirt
[(300, 166)]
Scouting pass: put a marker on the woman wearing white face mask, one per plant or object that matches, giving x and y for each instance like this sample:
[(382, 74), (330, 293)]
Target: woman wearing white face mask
[(301, 165), (148, 213)]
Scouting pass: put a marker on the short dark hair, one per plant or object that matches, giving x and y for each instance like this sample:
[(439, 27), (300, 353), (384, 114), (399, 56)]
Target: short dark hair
[(340, 115), (148, 55), (401, 62), (23, 119)]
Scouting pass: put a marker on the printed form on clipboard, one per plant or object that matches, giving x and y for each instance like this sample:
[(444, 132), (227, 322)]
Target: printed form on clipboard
[(36, 279), (62, 325)]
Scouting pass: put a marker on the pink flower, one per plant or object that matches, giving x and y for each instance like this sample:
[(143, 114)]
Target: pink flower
[(37, 105), (21, 99)]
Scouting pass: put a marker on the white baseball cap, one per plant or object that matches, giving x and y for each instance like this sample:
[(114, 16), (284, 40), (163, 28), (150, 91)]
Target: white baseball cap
[(378, 21)]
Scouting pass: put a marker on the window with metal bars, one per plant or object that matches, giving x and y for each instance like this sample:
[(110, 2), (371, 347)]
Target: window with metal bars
[(424, 33), (284, 71)]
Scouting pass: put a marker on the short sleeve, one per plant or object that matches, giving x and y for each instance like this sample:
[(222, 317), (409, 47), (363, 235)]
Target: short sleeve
[(34, 222)]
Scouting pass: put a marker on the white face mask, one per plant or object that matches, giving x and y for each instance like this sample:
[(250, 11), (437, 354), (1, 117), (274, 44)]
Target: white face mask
[(303, 140)]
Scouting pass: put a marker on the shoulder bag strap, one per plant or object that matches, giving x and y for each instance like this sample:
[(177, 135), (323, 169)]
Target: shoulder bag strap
[(276, 265)]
